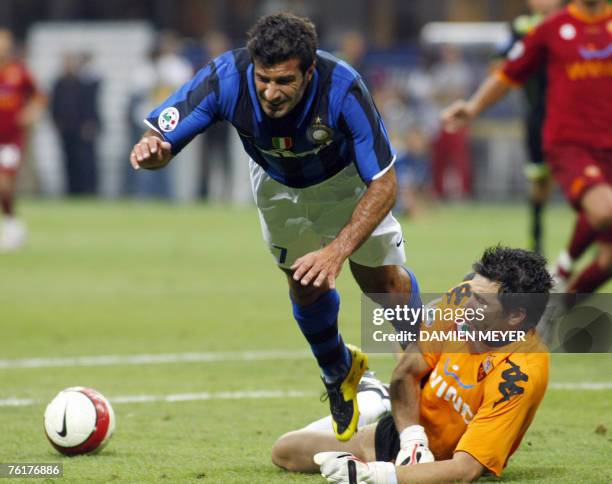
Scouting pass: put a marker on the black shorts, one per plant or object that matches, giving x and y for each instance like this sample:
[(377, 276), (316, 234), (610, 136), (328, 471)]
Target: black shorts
[(386, 440)]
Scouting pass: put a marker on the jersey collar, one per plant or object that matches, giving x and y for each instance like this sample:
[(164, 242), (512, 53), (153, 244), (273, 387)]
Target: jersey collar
[(578, 13)]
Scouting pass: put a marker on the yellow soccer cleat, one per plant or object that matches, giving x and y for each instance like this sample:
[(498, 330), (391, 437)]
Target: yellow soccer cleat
[(343, 396)]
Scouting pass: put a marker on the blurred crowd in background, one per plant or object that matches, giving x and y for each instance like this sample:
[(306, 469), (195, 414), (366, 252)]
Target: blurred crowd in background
[(102, 73)]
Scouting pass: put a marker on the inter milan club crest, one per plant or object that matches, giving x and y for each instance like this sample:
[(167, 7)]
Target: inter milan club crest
[(318, 133), (168, 119), (282, 143)]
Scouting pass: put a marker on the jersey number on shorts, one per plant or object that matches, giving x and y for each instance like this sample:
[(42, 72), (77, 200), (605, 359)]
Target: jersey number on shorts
[(282, 256)]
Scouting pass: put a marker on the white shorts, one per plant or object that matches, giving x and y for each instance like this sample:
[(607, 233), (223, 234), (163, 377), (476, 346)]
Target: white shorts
[(10, 157), (295, 221)]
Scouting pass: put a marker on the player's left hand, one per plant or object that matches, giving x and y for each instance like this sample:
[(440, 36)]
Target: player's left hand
[(318, 267), (345, 468)]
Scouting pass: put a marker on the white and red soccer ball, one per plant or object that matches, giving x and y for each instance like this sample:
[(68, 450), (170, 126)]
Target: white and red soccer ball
[(79, 420)]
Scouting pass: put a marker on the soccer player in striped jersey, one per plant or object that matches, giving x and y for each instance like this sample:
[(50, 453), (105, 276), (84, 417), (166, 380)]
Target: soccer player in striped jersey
[(321, 172)]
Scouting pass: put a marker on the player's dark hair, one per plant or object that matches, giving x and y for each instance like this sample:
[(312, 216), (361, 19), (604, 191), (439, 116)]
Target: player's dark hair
[(283, 36), (523, 278)]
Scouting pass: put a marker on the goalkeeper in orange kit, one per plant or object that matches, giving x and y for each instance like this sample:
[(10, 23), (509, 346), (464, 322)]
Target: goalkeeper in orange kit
[(459, 409)]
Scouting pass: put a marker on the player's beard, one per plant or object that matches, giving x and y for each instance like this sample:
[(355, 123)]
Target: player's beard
[(276, 113)]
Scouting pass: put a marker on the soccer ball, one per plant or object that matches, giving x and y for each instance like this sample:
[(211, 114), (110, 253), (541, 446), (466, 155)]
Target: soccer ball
[(79, 420)]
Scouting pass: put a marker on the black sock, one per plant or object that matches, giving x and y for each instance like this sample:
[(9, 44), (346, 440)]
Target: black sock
[(536, 226)]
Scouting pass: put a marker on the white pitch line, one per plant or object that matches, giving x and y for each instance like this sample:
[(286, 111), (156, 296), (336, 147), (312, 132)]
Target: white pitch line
[(17, 402), (153, 359), (262, 394), (191, 397), (585, 385), (181, 397), (156, 359)]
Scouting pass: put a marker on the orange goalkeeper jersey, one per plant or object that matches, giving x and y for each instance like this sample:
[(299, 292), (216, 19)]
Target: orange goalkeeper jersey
[(481, 403)]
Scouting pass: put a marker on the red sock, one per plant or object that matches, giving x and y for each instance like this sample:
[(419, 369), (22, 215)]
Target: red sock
[(582, 237), (589, 279), (6, 201)]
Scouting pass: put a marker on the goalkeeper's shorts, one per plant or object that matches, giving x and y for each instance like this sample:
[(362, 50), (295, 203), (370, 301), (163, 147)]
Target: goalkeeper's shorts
[(386, 440)]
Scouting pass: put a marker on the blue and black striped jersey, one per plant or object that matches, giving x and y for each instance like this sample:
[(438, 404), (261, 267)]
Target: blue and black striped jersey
[(335, 124)]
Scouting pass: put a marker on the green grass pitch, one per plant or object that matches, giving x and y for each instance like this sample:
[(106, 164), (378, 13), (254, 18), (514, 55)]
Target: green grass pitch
[(131, 279)]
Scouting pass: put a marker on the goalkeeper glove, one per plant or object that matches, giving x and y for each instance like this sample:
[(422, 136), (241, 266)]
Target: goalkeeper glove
[(413, 447), (345, 468)]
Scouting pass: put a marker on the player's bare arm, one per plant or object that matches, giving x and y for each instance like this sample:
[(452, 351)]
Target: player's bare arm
[(405, 393), (32, 111), (324, 265), (405, 387), (151, 152), (462, 112), (340, 467), (461, 468)]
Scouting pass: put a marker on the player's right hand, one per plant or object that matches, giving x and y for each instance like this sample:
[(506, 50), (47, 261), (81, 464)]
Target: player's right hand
[(150, 153), (320, 267), (413, 447), (456, 116), (345, 468)]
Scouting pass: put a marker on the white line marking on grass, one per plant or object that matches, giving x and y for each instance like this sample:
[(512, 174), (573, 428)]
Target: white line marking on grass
[(156, 359), (585, 385), (190, 397), (262, 394), (182, 397), (17, 402), (152, 359)]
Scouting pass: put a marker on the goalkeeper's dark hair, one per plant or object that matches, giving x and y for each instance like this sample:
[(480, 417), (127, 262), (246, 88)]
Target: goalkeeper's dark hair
[(283, 36), (523, 277)]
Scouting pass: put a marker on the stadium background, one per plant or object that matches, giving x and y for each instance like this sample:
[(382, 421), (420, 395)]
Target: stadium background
[(157, 290), (402, 56)]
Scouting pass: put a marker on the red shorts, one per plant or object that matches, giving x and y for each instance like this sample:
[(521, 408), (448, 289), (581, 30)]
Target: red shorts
[(10, 157), (577, 169)]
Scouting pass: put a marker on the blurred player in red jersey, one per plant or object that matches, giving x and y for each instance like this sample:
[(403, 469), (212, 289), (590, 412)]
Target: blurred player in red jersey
[(537, 170), (575, 45), (21, 104)]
